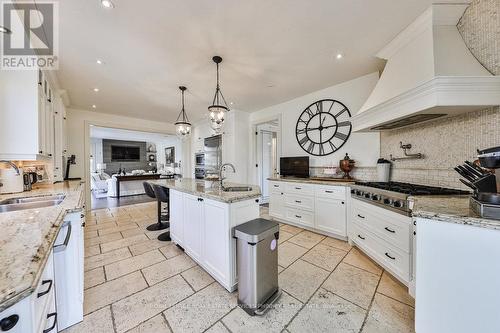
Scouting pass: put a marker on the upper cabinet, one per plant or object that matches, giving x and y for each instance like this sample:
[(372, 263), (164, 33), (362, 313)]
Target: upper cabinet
[(31, 118)]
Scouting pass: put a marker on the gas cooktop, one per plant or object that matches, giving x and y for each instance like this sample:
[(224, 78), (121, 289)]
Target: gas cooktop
[(395, 196), (412, 189)]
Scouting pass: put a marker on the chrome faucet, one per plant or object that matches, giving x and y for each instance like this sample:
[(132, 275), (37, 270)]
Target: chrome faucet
[(221, 178), (12, 165)]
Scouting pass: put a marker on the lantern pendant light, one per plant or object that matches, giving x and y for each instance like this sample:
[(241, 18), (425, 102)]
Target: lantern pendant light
[(217, 111), (182, 124)]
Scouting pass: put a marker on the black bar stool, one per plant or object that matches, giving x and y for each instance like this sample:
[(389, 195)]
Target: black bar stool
[(159, 225), (162, 195)]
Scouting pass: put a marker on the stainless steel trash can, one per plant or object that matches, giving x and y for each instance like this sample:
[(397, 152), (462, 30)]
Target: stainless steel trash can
[(257, 257)]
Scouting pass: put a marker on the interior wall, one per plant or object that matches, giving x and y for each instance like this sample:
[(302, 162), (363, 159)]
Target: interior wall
[(364, 148), (449, 142), (76, 122)]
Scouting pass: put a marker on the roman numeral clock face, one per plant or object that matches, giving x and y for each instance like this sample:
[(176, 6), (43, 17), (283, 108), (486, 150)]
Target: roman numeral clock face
[(323, 127)]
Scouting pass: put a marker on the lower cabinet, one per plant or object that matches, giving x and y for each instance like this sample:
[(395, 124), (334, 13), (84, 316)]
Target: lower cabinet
[(203, 227), (321, 208), (57, 301)]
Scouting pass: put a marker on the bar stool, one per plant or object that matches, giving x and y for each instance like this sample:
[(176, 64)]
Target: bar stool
[(162, 195), (159, 225)]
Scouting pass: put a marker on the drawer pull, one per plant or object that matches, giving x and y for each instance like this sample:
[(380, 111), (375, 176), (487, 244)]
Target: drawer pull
[(389, 230), (46, 291), (53, 314), (298, 201), (276, 186), (388, 256), (361, 216), (9, 322), (64, 245), (298, 188), (328, 191), (298, 216), (359, 236)]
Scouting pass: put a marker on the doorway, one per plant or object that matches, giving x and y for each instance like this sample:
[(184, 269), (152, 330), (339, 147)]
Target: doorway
[(267, 155)]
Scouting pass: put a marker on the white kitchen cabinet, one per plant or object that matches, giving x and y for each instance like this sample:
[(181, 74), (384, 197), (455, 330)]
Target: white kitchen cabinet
[(330, 215), (203, 227), (68, 268), (193, 225), (27, 117), (320, 208)]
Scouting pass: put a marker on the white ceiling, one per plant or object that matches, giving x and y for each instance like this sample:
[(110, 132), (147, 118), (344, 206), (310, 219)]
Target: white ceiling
[(273, 50), (120, 134)]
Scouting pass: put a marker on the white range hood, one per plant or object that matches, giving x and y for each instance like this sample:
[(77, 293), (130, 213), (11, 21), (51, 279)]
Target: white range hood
[(430, 73)]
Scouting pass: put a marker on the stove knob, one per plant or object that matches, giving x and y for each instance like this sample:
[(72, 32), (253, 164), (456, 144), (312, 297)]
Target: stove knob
[(367, 195), (375, 197), (353, 191), (387, 201), (397, 204), (359, 193)]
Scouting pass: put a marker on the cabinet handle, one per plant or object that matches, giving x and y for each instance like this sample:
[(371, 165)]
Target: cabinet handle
[(53, 314), (328, 191), (388, 256), (298, 188), (40, 151), (361, 216), (62, 247), (343, 202), (257, 200), (9, 322), (298, 216), (50, 155), (298, 201), (200, 199), (359, 236), (46, 291), (276, 186), (389, 230)]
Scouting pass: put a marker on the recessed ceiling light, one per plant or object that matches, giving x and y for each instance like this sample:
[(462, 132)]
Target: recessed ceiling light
[(96, 89), (339, 56), (5, 30), (94, 106), (99, 62), (107, 4), (232, 103)]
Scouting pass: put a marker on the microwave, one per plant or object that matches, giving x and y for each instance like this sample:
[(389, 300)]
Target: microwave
[(199, 159)]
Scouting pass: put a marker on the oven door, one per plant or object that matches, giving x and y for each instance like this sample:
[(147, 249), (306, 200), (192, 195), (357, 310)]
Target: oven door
[(199, 160), (199, 173)]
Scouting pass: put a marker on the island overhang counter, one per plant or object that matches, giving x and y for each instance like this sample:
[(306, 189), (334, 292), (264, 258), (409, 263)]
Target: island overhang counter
[(202, 220)]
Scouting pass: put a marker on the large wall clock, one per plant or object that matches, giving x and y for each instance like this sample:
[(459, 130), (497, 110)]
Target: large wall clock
[(323, 127)]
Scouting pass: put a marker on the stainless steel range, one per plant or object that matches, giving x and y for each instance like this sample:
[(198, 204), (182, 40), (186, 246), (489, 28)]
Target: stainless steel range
[(396, 196)]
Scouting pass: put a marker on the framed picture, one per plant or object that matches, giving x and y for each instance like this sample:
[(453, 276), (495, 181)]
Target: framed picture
[(169, 155)]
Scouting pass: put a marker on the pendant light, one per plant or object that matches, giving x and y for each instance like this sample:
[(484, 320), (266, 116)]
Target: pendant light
[(182, 124), (217, 111)]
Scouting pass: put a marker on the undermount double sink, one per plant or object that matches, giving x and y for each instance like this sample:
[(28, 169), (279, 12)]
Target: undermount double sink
[(14, 204)]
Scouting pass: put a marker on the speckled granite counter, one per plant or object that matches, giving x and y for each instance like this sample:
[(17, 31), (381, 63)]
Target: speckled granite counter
[(326, 181), (197, 187), (27, 237), (450, 209)]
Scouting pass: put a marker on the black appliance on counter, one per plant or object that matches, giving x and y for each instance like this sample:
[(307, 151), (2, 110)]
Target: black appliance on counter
[(294, 167)]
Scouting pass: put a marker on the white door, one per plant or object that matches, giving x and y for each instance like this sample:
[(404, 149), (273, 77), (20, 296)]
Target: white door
[(331, 216), (176, 217), (216, 238), (277, 205), (193, 217)]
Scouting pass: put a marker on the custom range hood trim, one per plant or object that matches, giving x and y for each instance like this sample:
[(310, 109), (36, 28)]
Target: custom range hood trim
[(440, 85)]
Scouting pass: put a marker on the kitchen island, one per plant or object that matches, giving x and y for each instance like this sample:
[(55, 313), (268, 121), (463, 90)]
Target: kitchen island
[(202, 219)]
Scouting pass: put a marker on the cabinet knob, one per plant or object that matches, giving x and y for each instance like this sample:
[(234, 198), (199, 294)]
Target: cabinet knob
[(9, 322)]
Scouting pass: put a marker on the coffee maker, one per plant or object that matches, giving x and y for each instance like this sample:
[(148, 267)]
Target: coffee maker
[(486, 199)]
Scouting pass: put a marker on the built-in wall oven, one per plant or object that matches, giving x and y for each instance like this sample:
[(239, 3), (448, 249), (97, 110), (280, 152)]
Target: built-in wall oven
[(199, 160), (199, 173)]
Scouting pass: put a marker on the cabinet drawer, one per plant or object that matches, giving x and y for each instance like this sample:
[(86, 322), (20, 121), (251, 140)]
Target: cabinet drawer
[(394, 259), (385, 226), (333, 192), (275, 187), (44, 291), (299, 188), (300, 216), (301, 202)]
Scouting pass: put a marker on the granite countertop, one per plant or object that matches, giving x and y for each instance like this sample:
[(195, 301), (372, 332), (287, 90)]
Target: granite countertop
[(453, 209), (28, 236), (315, 180), (197, 187)]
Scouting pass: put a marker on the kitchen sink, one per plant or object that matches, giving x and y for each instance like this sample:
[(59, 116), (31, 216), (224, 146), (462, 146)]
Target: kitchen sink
[(237, 189), (14, 204)]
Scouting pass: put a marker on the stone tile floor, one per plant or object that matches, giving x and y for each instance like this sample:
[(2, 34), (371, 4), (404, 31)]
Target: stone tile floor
[(135, 283)]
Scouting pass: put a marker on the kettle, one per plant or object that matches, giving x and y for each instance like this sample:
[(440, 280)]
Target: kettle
[(11, 181)]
